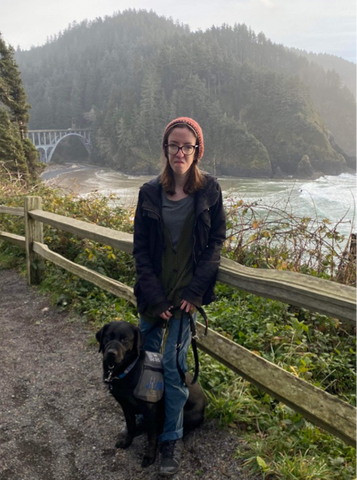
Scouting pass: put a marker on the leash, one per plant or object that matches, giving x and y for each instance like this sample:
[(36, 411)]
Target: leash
[(194, 338)]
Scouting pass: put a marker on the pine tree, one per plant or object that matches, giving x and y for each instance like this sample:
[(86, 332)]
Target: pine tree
[(12, 93), (17, 154), (12, 157)]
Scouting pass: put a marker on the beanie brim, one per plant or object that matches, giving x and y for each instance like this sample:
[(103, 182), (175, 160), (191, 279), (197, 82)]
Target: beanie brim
[(192, 125)]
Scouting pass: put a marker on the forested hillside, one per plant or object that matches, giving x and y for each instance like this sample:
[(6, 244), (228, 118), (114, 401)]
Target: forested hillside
[(336, 78), (262, 107), (17, 154), (345, 69)]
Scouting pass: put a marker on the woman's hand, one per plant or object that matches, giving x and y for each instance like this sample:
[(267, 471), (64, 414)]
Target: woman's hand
[(186, 306), (166, 315)]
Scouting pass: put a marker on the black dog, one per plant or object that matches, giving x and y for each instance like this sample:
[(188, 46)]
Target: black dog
[(123, 358)]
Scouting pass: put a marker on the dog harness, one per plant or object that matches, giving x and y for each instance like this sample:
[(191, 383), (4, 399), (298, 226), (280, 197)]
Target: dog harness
[(150, 387)]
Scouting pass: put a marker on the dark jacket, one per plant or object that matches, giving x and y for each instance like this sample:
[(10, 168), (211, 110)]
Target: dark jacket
[(208, 238)]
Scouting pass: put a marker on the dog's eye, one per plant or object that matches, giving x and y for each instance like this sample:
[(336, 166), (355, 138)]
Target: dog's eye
[(123, 338)]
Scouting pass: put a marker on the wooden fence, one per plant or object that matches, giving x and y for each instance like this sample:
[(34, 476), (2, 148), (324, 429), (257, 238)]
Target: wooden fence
[(314, 294)]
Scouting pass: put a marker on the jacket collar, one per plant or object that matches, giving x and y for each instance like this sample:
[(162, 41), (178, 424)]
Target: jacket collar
[(204, 199), (208, 196), (151, 192)]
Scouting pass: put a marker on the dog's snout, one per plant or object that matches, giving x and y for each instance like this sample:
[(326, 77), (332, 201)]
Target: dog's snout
[(111, 352)]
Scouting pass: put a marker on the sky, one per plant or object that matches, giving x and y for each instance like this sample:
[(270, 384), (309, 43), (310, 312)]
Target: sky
[(319, 26)]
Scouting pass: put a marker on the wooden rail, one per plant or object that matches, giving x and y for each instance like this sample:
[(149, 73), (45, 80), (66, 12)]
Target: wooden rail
[(12, 210), (314, 294), (321, 408), (106, 283), (305, 291), (12, 238), (107, 236)]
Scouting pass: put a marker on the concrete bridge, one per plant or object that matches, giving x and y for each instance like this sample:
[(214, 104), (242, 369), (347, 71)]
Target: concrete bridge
[(46, 141)]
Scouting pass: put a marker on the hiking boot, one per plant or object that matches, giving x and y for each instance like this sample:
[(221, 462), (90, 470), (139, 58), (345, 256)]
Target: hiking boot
[(171, 457)]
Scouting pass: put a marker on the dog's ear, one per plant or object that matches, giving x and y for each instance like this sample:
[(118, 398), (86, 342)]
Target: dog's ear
[(99, 336), (138, 340)]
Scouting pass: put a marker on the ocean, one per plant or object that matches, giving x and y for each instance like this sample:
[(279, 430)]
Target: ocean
[(328, 197)]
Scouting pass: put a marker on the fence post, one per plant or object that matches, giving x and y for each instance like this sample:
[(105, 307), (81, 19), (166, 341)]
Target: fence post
[(33, 233)]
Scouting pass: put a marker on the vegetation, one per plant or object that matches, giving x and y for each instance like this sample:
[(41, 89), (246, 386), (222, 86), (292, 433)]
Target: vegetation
[(17, 154), (274, 440), (261, 106), (274, 237)]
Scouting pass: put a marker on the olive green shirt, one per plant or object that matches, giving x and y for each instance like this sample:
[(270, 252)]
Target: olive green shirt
[(176, 265)]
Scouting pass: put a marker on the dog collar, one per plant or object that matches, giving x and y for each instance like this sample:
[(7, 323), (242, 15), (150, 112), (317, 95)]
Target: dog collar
[(127, 370), (110, 378)]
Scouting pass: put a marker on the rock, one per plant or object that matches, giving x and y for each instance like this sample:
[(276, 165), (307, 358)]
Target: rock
[(304, 168), (278, 173)]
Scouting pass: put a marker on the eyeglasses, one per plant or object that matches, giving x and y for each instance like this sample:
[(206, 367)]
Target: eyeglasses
[(186, 149)]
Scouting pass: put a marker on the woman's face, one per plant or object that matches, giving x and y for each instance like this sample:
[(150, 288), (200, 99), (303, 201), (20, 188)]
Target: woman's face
[(181, 163)]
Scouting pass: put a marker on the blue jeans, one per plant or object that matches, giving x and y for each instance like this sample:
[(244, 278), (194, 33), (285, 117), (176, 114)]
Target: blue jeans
[(176, 392)]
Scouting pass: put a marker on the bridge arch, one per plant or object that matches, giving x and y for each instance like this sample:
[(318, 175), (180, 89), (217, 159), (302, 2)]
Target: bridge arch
[(46, 141)]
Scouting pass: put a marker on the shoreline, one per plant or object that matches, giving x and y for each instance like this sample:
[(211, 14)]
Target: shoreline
[(71, 167)]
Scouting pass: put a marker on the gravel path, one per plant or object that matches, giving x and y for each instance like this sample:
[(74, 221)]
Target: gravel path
[(57, 420)]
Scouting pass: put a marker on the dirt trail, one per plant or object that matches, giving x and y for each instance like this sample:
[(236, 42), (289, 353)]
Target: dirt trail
[(57, 420)]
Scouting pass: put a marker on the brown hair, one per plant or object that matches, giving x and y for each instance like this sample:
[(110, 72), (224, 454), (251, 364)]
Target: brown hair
[(195, 179)]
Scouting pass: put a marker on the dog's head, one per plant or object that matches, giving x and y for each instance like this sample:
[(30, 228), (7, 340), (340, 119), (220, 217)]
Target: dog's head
[(118, 341)]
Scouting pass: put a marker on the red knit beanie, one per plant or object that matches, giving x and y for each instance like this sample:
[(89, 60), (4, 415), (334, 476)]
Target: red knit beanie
[(192, 125)]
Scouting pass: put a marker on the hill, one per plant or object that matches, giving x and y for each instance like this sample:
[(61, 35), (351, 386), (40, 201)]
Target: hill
[(262, 108), (345, 69), (335, 102)]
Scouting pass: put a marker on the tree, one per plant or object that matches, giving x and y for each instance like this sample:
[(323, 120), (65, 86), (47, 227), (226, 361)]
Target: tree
[(17, 154), (12, 93), (12, 157)]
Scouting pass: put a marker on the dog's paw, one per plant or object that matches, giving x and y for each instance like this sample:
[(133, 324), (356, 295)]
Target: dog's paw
[(147, 460), (124, 442)]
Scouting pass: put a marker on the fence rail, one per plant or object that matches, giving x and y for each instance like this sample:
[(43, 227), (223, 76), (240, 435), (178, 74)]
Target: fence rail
[(319, 407)]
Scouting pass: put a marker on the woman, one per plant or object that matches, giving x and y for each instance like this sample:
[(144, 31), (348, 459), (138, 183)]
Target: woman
[(179, 231)]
